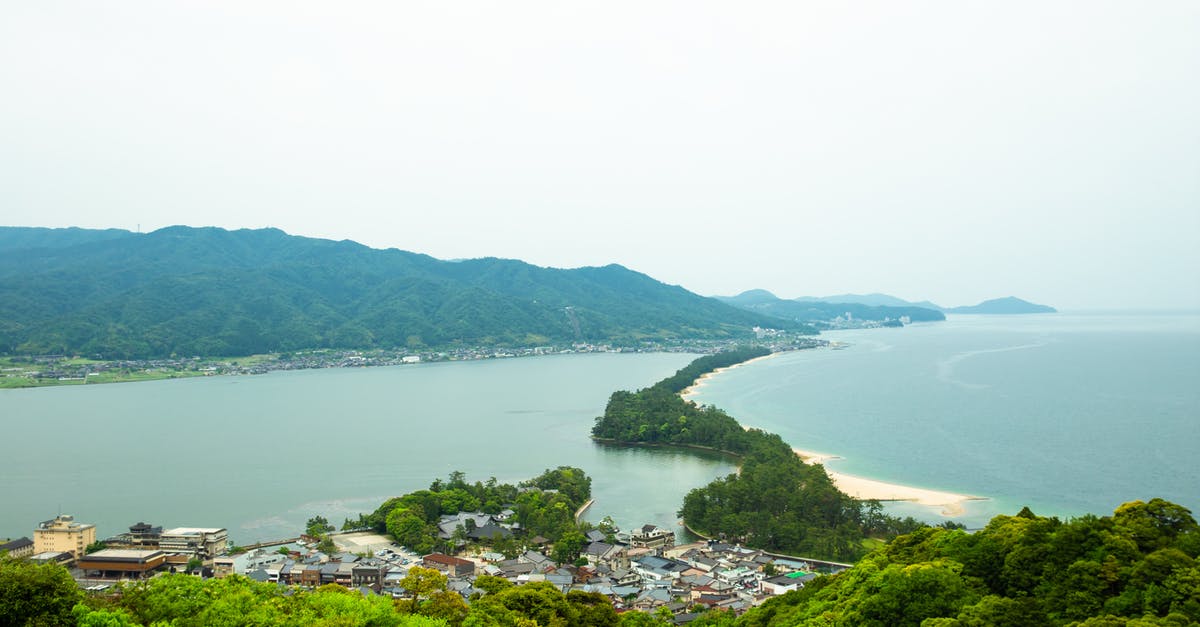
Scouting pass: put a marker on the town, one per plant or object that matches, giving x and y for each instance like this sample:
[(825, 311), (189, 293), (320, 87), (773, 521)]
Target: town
[(43, 370), (642, 569)]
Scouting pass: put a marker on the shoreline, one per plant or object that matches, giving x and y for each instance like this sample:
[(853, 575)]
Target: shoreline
[(863, 488), (947, 504), (694, 388)]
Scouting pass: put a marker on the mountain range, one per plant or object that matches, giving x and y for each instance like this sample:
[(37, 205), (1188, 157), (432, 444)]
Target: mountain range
[(812, 310), (1006, 305), (187, 291)]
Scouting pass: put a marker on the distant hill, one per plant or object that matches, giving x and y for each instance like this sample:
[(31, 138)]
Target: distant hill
[(1006, 305), (764, 302), (207, 291), (874, 300)]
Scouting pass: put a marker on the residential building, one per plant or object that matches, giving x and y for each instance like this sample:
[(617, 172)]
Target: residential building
[(223, 566), (369, 573), (451, 566), (651, 536), (21, 547)]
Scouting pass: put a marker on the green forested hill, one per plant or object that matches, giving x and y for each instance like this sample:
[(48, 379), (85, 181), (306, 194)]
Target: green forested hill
[(208, 291), (764, 302), (1136, 567)]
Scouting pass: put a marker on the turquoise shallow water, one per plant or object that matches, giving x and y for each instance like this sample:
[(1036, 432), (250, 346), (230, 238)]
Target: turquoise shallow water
[(1065, 413), (260, 454)]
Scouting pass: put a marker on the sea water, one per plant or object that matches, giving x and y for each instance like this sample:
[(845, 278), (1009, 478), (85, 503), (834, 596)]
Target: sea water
[(1066, 413), (259, 455)]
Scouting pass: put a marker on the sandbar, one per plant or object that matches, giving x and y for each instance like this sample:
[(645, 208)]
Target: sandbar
[(950, 503), (861, 488), (692, 389)]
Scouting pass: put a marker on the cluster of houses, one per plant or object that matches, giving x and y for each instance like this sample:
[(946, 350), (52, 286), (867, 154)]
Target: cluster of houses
[(642, 570)]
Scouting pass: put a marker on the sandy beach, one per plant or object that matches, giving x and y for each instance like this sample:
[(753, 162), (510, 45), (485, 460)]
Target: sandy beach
[(951, 504), (693, 388)]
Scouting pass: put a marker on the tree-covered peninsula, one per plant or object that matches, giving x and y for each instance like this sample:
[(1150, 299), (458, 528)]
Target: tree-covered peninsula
[(776, 501)]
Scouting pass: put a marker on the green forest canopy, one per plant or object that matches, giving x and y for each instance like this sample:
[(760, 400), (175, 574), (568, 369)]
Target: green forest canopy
[(207, 292), (546, 506)]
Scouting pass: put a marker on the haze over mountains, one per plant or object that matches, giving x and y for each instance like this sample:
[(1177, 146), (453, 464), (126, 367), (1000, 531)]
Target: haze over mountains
[(183, 291), (764, 302), (1005, 305), (207, 291)]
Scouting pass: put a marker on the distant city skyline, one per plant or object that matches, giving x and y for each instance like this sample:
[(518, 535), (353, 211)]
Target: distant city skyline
[(929, 150)]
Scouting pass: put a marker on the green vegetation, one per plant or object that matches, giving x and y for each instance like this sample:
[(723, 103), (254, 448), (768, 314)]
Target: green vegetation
[(18, 379), (98, 545), (185, 601), (775, 502), (1136, 567), (184, 291), (546, 507), (657, 414), (46, 595), (317, 526), (33, 594)]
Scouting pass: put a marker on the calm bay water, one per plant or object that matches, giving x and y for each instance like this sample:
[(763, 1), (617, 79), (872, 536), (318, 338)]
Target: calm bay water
[(1065, 413), (261, 454)]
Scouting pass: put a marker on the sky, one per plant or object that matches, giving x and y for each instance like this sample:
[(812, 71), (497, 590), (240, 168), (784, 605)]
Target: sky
[(952, 150)]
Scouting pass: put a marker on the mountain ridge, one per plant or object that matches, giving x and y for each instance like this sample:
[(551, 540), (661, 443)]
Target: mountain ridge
[(209, 291), (1004, 305), (763, 301)]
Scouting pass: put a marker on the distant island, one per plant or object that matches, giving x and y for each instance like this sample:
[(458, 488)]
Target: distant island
[(1006, 305)]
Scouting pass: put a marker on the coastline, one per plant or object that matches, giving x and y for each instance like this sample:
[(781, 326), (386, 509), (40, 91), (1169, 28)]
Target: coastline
[(948, 504), (862, 488), (694, 388)]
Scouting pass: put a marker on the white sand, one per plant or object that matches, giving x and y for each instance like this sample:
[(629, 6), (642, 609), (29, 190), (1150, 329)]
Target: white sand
[(693, 388), (951, 504), (863, 488)]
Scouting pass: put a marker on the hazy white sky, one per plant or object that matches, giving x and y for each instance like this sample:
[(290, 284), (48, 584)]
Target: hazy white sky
[(953, 150)]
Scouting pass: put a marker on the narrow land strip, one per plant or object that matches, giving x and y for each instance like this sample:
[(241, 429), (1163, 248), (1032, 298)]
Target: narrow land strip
[(694, 388), (862, 488)]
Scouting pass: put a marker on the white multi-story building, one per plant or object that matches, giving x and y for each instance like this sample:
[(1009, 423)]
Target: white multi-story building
[(202, 543)]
